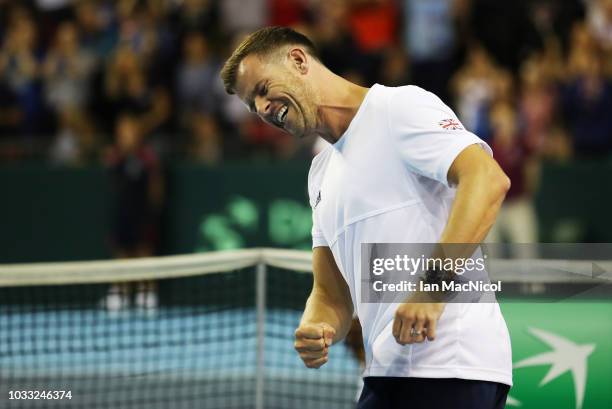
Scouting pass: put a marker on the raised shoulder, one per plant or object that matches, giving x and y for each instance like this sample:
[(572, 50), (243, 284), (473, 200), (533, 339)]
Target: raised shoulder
[(415, 104)]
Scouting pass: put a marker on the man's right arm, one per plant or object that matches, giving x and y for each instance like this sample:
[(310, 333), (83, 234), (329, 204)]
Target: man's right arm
[(328, 313)]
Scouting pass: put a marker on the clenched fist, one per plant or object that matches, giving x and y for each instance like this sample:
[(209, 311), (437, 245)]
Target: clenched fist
[(312, 342)]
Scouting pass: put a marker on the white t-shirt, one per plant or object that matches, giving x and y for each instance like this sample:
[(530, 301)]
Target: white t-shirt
[(385, 181)]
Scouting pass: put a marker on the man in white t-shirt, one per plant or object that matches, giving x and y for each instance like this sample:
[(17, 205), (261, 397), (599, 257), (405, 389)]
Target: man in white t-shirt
[(400, 169)]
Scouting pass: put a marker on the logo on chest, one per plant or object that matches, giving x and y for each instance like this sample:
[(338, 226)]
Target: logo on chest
[(318, 200)]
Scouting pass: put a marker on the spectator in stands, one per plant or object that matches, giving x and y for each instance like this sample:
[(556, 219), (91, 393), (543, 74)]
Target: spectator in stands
[(127, 89), (156, 23), (429, 37), (197, 79), (198, 15), (95, 23), (133, 31), (374, 25), (239, 15), (20, 71), (287, 12), (587, 98), (599, 20), (538, 106), (50, 13), (67, 71), (502, 91), (336, 44), (198, 97), (516, 221), (474, 87)]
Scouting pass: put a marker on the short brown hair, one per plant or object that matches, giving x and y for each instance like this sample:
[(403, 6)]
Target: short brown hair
[(262, 42)]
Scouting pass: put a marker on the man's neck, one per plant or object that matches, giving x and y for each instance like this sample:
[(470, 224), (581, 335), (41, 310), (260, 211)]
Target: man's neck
[(339, 102)]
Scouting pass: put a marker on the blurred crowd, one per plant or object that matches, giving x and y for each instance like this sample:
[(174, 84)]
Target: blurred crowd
[(531, 77)]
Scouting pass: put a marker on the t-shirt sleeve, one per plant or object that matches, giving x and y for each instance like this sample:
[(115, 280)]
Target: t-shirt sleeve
[(317, 235), (428, 134), (318, 240)]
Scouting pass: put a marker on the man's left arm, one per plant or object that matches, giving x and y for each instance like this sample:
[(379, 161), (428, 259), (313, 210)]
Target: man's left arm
[(481, 188)]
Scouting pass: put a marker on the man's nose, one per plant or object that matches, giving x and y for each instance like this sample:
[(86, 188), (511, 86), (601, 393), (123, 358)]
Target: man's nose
[(263, 106)]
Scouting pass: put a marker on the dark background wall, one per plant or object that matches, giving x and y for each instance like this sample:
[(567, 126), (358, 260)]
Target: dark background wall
[(55, 214)]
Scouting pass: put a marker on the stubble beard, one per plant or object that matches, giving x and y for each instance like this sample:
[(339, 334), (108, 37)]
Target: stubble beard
[(308, 100)]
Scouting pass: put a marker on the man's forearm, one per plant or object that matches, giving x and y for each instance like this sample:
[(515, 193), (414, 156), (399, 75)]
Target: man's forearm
[(477, 201), (320, 308), (475, 207)]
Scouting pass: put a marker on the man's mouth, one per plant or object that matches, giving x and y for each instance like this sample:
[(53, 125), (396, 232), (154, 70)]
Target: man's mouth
[(281, 116)]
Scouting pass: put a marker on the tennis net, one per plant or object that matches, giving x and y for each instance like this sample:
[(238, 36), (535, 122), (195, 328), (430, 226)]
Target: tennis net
[(215, 331)]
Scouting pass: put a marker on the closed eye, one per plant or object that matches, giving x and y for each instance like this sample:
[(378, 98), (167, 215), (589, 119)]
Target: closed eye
[(260, 90)]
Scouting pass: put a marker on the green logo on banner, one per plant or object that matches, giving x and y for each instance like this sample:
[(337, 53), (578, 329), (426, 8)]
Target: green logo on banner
[(289, 224), (565, 356), (562, 354)]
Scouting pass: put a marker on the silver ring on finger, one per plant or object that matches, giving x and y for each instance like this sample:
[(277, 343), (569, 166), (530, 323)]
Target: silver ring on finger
[(414, 332)]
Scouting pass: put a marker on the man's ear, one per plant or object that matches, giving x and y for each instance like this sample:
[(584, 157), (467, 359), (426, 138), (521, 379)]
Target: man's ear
[(299, 60)]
